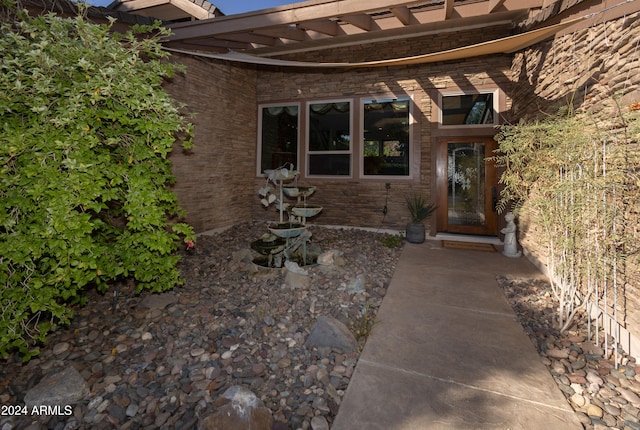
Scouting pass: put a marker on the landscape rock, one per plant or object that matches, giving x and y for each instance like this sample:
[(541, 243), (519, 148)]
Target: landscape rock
[(602, 394), (331, 333), (329, 257), (293, 267), (169, 367), (237, 409), (158, 301), (61, 388), (356, 285), (319, 423), (296, 280)]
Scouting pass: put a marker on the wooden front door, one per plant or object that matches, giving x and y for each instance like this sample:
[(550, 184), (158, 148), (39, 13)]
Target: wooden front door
[(467, 186)]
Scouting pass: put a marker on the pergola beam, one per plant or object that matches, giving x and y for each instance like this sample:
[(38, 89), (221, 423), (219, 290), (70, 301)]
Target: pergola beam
[(403, 14), (290, 33), (215, 45), (362, 21), (299, 12), (315, 20), (495, 4), (190, 8), (328, 27), (252, 38), (448, 9), (134, 5)]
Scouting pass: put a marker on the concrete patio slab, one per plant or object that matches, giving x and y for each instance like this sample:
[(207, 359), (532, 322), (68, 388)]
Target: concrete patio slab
[(447, 352)]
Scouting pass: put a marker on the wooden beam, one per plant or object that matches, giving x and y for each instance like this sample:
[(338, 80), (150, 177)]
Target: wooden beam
[(190, 8), (216, 45), (290, 33), (133, 5), (398, 33), (252, 38), (495, 4), (326, 26), (473, 9), (403, 14), (284, 15), (323, 16), (362, 21), (448, 9)]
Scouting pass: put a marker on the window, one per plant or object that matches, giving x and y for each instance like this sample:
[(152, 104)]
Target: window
[(468, 109), (386, 137), (329, 138), (377, 129), (278, 125)]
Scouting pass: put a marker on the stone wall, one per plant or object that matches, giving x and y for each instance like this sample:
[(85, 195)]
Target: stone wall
[(595, 70), (214, 181), (587, 69), (359, 202)]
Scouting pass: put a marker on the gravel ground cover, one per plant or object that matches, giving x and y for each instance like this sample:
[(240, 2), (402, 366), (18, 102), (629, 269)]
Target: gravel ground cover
[(604, 394), (161, 364), (160, 361)]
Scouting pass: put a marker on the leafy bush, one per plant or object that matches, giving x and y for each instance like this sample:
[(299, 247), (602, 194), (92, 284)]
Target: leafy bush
[(84, 176), (419, 208), (391, 240), (578, 179)]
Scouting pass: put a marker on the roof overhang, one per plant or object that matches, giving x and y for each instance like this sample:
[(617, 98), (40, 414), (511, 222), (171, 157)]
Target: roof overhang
[(502, 45), (323, 24), (263, 37), (167, 10)]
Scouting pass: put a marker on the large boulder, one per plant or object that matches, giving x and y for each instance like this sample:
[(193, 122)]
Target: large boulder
[(58, 389), (237, 409), (158, 301), (296, 276), (330, 257), (331, 333)]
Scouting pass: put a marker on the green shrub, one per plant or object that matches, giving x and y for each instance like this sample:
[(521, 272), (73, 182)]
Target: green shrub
[(576, 179), (391, 240), (419, 208), (84, 200)]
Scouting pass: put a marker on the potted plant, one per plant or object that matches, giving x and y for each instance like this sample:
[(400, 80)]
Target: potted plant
[(419, 210)]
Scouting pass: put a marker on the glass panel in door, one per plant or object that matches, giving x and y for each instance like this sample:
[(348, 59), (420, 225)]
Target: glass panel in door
[(466, 183), (467, 187)]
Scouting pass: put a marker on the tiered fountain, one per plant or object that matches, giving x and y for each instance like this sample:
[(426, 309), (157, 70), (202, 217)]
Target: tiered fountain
[(287, 237)]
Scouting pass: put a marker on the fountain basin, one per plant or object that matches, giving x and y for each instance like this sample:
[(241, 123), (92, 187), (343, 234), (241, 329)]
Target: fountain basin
[(281, 174), (268, 247), (306, 210), (287, 229), (298, 191)]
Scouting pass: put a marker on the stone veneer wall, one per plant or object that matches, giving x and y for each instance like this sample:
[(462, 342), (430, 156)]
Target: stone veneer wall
[(359, 202), (588, 68), (214, 181)]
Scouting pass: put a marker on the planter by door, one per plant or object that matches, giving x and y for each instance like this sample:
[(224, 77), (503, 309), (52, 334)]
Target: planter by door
[(415, 233)]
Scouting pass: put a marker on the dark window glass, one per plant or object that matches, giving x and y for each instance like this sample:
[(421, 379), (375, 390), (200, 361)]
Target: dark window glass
[(467, 109), (386, 137), (330, 138), (279, 136)]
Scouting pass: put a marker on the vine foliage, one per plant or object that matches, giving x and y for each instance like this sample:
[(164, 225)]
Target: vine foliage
[(576, 180), (85, 198)]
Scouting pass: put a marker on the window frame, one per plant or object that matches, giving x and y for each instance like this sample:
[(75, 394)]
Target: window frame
[(262, 106), (496, 107), (307, 137), (413, 152)]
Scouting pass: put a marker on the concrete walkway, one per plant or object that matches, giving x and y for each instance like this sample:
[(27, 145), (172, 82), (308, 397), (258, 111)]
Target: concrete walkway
[(447, 352)]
